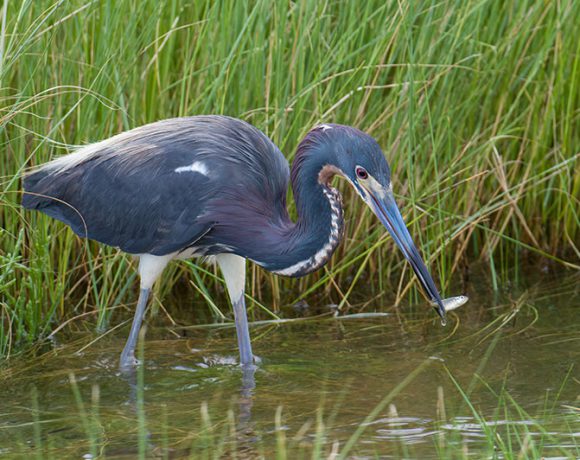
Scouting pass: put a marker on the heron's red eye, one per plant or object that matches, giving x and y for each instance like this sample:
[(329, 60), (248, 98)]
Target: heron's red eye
[(361, 173)]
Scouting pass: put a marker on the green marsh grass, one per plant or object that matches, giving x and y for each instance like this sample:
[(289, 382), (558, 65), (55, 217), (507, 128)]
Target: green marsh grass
[(476, 104)]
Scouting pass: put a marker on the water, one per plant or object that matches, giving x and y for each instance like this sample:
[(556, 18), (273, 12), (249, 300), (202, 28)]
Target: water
[(500, 380)]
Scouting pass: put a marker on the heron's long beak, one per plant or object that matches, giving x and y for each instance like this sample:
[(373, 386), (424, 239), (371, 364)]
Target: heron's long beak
[(387, 211)]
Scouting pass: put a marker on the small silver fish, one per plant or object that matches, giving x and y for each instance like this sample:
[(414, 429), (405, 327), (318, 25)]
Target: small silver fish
[(452, 303)]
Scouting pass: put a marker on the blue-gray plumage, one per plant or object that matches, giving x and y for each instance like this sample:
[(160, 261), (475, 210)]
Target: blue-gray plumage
[(216, 186)]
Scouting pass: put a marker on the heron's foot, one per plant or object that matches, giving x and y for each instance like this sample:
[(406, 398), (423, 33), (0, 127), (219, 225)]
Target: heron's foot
[(253, 364), (128, 362)]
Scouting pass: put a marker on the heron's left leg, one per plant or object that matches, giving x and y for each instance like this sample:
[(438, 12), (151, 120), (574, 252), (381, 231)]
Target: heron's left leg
[(233, 268), (150, 267)]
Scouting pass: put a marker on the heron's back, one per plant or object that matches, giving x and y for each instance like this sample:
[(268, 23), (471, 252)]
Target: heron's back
[(150, 189)]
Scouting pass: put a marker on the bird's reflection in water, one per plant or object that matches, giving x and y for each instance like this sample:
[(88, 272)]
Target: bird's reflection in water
[(244, 433), (130, 375), (245, 437), (246, 402)]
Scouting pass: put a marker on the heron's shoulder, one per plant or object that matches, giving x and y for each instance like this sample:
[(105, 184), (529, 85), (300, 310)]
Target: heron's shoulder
[(231, 142)]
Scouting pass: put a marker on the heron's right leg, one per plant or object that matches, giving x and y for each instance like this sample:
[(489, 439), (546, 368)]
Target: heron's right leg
[(150, 267), (233, 268)]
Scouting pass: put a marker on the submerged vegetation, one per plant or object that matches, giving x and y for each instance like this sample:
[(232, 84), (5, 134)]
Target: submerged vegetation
[(509, 432), (330, 388), (476, 105)]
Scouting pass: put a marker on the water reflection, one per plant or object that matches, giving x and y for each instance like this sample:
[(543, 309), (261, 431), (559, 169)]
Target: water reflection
[(245, 434), (327, 376), (129, 376), (246, 400)]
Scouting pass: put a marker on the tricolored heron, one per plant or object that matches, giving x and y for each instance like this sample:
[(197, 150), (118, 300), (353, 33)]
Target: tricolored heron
[(216, 186)]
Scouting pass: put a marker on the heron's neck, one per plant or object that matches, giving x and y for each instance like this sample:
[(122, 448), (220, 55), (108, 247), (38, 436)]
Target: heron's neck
[(312, 239)]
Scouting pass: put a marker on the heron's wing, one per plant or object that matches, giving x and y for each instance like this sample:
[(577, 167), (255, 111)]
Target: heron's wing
[(135, 202), (149, 190)]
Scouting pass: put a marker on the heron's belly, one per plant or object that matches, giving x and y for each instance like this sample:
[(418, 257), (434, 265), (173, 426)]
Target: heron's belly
[(202, 251), (189, 253)]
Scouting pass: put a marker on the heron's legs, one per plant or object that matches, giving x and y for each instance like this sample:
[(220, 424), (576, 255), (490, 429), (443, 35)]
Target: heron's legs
[(150, 267), (233, 268), (128, 354)]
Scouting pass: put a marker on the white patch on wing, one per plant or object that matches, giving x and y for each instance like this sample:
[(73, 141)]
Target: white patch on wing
[(196, 166), (325, 127)]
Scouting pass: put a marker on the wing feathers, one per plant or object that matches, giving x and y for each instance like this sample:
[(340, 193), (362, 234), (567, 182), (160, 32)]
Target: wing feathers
[(132, 190)]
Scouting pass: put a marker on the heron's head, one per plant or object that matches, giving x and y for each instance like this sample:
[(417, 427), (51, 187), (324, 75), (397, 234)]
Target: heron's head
[(359, 159)]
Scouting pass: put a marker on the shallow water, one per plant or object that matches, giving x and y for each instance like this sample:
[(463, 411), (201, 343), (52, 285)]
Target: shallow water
[(500, 376)]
